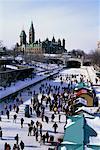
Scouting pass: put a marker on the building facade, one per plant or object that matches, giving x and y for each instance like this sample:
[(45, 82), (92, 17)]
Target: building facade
[(37, 47)]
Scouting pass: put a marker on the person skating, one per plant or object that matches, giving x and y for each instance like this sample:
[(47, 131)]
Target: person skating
[(22, 121), (43, 137), (17, 138), (52, 117), (32, 122), (46, 119), (36, 134), (17, 109), (55, 126), (7, 113), (0, 133), (30, 128), (22, 145), (34, 130), (14, 118), (47, 136), (59, 117)]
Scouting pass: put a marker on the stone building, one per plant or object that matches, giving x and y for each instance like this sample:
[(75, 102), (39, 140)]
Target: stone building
[(38, 47)]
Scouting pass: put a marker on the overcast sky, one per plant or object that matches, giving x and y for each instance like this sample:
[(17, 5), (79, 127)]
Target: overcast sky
[(75, 20)]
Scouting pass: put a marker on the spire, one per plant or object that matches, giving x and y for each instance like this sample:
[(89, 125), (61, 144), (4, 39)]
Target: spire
[(59, 42), (31, 34), (63, 43), (53, 39), (23, 38)]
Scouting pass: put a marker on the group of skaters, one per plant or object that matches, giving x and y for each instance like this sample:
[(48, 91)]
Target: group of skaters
[(16, 146), (54, 97)]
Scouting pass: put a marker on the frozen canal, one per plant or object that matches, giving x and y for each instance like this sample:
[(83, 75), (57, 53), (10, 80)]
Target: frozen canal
[(10, 129)]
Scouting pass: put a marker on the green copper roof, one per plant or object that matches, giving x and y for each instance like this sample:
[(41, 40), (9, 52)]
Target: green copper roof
[(82, 85), (77, 135), (74, 133)]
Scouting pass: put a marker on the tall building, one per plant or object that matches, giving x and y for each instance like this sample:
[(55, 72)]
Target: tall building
[(22, 38), (63, 43), (31, 34), (53, 47), (39, 47)]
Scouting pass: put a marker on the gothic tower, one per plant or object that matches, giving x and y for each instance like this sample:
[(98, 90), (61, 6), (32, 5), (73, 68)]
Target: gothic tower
[(53, 39), (63, 43), (31, 34), (23, 38)]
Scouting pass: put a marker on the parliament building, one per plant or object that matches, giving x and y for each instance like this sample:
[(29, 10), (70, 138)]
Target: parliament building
[(38, 47)]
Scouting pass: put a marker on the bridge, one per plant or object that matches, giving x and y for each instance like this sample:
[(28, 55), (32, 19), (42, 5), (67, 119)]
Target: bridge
[(63, 59)]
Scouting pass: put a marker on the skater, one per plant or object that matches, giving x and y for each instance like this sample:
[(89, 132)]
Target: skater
[(46, 119), (31, 110), (41, 129), (34, 130), (32, 123), (10, 107), (42, 116), (59, 117), (17, 109), (55, 126), (37, 124), (0, 133), (14, 107), (47, 136), (22, 145), (22, 121), (15, 117), (36, 134), (7, 113), (43, 137), (17, 139), (29, 129), (52, 117)]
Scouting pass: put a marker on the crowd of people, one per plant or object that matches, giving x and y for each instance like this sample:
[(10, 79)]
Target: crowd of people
[(56, 98)]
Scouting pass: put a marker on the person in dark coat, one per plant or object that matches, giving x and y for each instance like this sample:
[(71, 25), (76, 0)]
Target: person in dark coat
[(7, 113), (41, 129), (52, 117), (59, 117), (0, 133), (32, 122), (46, 119), (17, 138), (34, 130), (22, 121), (14, 107), (47, 136), (42, 116), (43, 137), (31, 110), (36, 134), (30, 128), (15, 117), (55, 126), (17, 109), (10, 107), (37, 124), (22, 145)]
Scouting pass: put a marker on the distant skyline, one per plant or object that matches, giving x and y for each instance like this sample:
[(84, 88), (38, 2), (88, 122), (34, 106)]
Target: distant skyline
[(78, 21)]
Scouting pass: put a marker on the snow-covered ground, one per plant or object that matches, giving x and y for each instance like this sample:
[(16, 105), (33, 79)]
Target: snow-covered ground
[(10, 129)]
